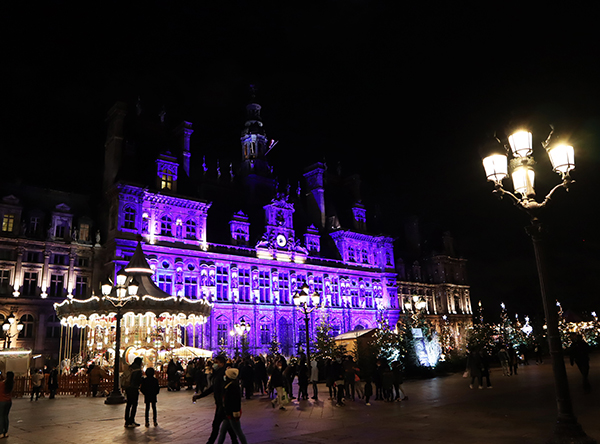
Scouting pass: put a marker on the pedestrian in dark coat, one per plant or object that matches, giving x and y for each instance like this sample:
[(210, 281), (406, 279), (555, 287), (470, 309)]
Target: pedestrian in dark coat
[(232, 406), (303, 374), (132, 392), (578, 354), (217, 388), (53, 382), (474, 368), (150, 389)]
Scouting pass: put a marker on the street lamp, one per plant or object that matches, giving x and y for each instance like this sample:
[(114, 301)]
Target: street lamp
[(522, 171), (7, 328), (307, 304), (239, 330), (119, 294)]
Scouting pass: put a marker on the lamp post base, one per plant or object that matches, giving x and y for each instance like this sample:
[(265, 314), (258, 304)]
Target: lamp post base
[(115, 397), (568, 431)]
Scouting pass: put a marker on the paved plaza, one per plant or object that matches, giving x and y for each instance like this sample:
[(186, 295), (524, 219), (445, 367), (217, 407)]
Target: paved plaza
[(520, 408)]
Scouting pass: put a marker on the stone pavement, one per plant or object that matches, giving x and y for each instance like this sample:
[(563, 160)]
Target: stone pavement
[(520, 408)]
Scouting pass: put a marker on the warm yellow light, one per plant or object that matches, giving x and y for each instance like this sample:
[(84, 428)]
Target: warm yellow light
[(523, 180), (521, 143), (562, 158), (496, 167)]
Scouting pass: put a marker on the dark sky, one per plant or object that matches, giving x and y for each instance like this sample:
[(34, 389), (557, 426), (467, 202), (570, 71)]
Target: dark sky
[(404, 94)]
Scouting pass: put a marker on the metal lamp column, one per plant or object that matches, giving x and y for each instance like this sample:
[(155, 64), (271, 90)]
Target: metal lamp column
[(301, 300), (117, 295), (562, 157)]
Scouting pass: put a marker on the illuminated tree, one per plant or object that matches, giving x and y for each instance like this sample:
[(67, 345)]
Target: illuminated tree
[(326, 346)]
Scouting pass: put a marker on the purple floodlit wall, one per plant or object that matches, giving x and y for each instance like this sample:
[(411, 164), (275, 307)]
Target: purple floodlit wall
[(256, 284)]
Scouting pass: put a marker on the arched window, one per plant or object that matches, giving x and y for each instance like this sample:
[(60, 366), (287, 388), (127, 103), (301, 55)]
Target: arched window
[(165, 226), (222, 331), (283, 331), (129, 218), (190, 229), (265, 332), (28, 322)]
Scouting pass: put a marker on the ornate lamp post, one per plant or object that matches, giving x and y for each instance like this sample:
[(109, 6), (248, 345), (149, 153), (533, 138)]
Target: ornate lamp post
[(496, 166), (307, 304), (125, 290), (9, 331), (239, 330)]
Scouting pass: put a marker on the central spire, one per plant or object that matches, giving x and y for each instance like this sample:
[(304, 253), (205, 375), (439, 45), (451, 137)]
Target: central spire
[(254, 140)]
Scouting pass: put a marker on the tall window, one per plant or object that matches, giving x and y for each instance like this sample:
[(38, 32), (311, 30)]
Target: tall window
[(364, 256), (81, 286), (60, 231), (8, 222), (165, 226), (191, 287), (244, 284), (53, 327), (165, 283), (265, 334), (351, 256), (190, 229), (84, 232), (29, 283), (56, 284), (264, 285), (34, 225), (28, 322), (222, 333), (4, 280), (129, 218), (284, 287), (222, 283)]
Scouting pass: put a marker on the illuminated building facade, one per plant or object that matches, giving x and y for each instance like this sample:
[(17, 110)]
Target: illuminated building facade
[(245, 243), (48, 251)]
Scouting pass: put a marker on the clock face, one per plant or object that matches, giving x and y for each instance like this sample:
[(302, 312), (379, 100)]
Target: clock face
[(281, 240)]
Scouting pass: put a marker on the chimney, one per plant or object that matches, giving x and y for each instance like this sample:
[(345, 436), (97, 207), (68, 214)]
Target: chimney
[(315, 193), (113, 148), (184, 131)]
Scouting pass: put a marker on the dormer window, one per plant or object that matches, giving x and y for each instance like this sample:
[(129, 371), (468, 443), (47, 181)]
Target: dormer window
[(166, 181), (166, 168), (190, 229), (8, 223)]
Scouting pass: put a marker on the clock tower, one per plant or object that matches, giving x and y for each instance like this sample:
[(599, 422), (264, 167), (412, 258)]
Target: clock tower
[(279, 222)]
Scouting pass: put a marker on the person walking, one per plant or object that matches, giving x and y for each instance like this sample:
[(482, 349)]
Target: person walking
[(132, 379), (314, 379), (368, 390), (277, 382), (349, 377), (96, 373), (53, 382), (232, 406), (36, 384), (217, 389), (578, 354), (398, 381), (303, 377), (485, 368), (150, 388), (338, 374), (7, 383), (474, 368), (504, 360)]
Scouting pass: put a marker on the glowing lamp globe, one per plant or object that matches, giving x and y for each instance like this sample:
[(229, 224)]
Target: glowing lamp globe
[(5, 326), (20, 327), (521, 143), (106, 289), (562, 158), (496, 167), (121, 278), (132, 288), (523, 179)]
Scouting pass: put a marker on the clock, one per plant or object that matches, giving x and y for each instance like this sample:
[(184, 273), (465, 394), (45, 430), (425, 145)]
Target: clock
[(281, 240)]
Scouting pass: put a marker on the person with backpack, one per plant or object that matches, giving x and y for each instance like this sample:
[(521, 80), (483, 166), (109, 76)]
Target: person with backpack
[(150, 389), (131, 381)]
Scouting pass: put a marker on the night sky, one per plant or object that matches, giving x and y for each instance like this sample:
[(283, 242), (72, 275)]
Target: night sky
[(403, 94)]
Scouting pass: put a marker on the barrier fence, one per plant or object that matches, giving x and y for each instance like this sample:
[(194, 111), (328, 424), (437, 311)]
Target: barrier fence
[(77, 385)]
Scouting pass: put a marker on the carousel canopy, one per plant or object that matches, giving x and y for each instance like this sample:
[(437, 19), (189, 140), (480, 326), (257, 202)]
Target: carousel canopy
[(149, 301)]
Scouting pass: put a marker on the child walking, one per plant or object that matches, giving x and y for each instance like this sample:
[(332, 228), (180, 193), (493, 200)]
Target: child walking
[(150, 390), (232, 407)]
